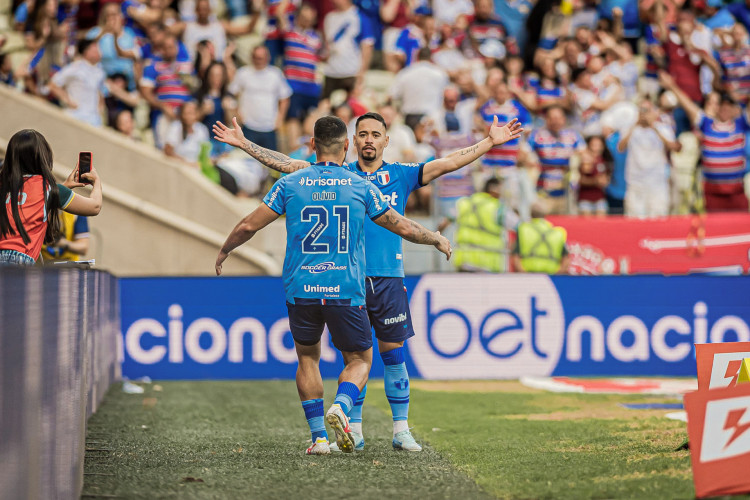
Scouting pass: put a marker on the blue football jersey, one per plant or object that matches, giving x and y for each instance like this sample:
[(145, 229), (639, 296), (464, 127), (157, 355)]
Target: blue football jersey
[(326, 207), (383, 248)]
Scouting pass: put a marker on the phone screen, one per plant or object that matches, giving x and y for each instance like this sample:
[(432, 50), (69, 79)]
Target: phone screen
[(84, 165)]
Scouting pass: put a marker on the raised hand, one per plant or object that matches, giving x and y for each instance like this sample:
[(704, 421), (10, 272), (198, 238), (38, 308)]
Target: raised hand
[(232, 136), (500, 135), (666, 80)]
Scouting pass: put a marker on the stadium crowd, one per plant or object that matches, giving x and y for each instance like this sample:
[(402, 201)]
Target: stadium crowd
[(620, 99)]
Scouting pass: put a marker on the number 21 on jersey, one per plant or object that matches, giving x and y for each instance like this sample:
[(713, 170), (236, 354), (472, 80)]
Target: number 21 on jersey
[(319, 216)]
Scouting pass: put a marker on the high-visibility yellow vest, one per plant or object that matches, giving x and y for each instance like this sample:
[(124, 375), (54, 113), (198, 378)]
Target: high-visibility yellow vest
[(67, 221), (481, 239), (540, 246)]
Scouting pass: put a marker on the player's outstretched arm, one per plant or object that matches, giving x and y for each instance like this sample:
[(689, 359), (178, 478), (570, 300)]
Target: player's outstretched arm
[(246, 229), (413, 231), (498, 135), (271, 159)]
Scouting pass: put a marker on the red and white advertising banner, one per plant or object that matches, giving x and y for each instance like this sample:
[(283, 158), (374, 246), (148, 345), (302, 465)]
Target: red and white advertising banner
[(719, 364), (713, 243), (719, 433)]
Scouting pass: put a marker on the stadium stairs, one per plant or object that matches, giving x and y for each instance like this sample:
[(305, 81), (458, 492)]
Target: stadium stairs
[(160, 217)]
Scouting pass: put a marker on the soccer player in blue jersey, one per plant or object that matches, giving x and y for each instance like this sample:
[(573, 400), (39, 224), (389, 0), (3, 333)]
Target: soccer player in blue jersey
[(324, 272), (387, 301)]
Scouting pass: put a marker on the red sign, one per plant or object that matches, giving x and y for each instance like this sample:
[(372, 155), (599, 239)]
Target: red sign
[(718, 243), (719, 364), (719, 433)]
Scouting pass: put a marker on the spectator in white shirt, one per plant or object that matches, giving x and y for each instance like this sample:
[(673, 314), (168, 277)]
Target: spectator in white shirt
[(186, 135), (263, 95), (448, 11), (402, 144), (79, 86), (348, 47), (445, 120), (420, 88), (646, 164)]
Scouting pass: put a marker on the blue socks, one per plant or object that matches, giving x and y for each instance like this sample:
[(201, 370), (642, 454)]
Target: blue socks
[(346, 396), (396, 383), (314, 415), (355, 416)]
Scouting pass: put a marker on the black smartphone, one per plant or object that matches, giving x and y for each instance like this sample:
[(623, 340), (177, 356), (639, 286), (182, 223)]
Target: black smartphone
[(84, 165)]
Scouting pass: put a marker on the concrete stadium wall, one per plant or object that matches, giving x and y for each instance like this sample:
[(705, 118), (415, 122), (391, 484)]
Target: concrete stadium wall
[(59, 332), (159, 216)]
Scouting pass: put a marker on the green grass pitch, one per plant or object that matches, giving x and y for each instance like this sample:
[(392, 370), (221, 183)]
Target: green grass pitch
[(483, 440)]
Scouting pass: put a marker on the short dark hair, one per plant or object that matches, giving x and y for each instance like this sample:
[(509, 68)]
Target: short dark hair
[(491, 183), (371, 116), (725, 98), (424, 54), (330, 134), (84, 44)]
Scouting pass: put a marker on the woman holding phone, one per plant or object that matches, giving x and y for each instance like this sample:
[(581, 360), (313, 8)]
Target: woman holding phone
[(32, 198)]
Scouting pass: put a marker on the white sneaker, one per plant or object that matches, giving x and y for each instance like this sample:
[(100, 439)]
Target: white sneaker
[(339, 422), (319, 447), (405, 441)]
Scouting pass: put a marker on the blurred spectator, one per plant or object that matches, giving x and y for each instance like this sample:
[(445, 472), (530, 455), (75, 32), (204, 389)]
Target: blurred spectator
[(111, 25), (591, 100), (625, 12), (118, 97), (79, 86), (214, 102), (204, 27), (617, 186), (302, 44), (263, 94), (502, 161), (716, 15), (279, 13), (741, 12), (547, 87), (734, 63), (6, 71), (348, 48), (186, 135), (647, 165), (419, 88), (483, 222), (554, 145), (684, 60), (486, 25), (74, 239), (445, 119), (395, 15), (419, 33), (540, 247), (452, 12), (453, 185), (125, 124), (163, 86), (722, 141), (401, 141), (593, 179), (514, 14)]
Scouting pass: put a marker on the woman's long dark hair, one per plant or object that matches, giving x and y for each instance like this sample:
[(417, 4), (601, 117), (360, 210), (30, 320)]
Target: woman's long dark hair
[(28, 153), (206, 88)]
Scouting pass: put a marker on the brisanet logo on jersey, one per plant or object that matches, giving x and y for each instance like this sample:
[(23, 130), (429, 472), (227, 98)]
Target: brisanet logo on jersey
[(486, 326), (511, 326)]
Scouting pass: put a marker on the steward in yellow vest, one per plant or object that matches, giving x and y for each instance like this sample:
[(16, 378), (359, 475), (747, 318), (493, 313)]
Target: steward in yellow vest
[(74, 241), (482, 231), (540, 247)]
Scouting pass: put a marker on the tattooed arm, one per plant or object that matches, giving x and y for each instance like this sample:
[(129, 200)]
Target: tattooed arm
[(497, 136), (414, 232), (271, 159)]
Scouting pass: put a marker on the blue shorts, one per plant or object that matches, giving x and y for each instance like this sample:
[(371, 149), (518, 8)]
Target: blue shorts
[(300, 105), (388, 309), (348, 325)]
